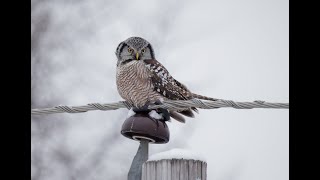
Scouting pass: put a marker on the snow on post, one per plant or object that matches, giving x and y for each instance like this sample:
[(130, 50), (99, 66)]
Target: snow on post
[(176, 164)]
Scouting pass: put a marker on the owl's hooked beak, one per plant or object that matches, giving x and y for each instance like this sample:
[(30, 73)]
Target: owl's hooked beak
[(137, 56)]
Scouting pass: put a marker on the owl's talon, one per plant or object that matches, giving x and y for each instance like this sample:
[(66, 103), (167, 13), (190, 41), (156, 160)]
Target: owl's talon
[(137, 110), (144, 108), (165, 112)]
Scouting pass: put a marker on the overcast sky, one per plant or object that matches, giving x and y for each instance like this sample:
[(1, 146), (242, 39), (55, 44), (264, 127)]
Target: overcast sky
[(231, 49)]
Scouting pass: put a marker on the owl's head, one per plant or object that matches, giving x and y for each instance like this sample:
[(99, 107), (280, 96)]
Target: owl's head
[(134, 49)]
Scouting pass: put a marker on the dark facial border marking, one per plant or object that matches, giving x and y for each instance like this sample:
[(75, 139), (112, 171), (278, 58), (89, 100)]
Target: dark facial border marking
[(120, 48), (151, 51)]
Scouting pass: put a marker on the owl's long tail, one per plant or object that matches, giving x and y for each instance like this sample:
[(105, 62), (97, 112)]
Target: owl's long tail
[(188, 112), (175, 115), (203, 97)]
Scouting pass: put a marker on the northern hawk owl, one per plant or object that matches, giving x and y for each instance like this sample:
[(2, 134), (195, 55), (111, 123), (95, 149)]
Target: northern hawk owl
[(142, 80)]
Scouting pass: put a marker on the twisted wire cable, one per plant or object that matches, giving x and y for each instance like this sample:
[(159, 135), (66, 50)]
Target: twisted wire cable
[(168, 104)]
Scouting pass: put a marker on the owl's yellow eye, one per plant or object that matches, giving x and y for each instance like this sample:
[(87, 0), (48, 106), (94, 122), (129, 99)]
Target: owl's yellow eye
[(143, 50), (130, 50)]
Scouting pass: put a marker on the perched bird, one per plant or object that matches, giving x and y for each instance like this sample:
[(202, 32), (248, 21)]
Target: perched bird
[(142, 80)]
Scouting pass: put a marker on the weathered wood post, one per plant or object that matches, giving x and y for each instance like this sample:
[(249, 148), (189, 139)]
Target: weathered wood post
[(174, 165)]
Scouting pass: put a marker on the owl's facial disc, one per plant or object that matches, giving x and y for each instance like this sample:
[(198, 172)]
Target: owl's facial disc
[(134, 49)]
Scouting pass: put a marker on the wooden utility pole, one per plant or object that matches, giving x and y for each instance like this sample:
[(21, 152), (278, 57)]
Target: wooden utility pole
[(174, 169)]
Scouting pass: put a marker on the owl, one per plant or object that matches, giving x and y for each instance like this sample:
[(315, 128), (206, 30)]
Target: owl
[(142, 80)]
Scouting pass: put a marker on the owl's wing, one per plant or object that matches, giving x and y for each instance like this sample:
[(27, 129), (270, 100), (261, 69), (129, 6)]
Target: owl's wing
[(168, 87), (164, 83)]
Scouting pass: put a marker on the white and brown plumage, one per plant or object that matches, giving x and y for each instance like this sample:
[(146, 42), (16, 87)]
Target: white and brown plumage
[(142, 79)]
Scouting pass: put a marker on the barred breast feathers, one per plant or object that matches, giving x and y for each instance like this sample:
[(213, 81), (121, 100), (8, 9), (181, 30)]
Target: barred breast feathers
[(134, 84)]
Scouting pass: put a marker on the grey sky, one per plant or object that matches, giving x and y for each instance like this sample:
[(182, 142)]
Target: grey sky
[(229, 49)]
